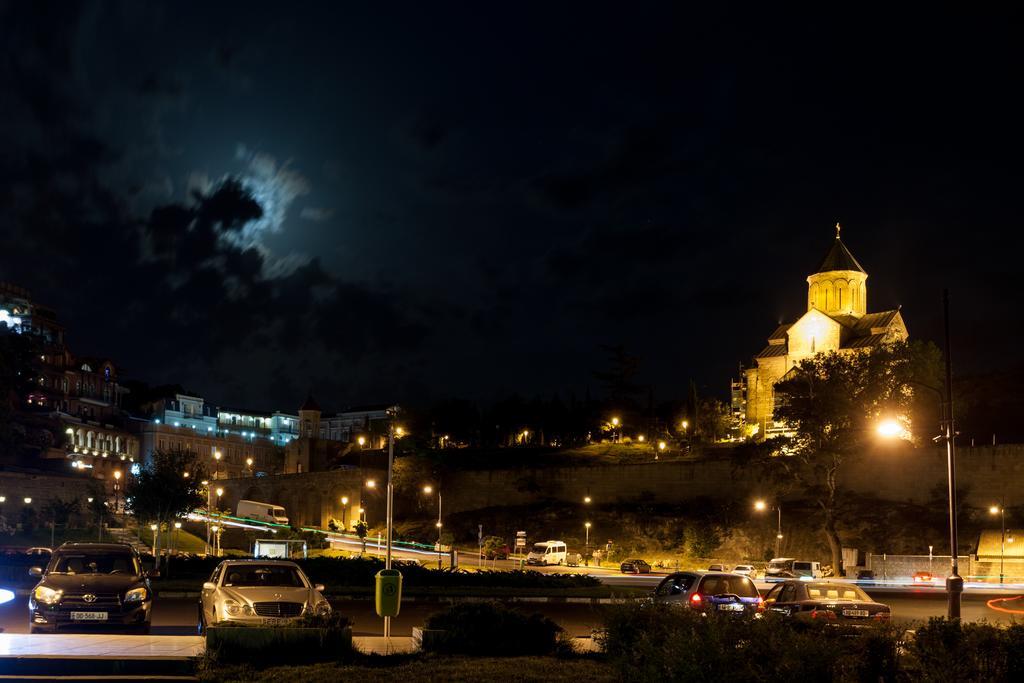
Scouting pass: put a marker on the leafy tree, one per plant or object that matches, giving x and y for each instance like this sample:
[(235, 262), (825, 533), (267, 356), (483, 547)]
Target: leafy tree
[(360, 527), (160, 494), (58, 511), (833, 402)]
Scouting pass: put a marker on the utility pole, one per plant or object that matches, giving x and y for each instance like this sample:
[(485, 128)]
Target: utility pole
[(954, 582)]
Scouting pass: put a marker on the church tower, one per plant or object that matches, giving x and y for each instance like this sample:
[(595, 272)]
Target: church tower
[(839, 286), (309, 419)]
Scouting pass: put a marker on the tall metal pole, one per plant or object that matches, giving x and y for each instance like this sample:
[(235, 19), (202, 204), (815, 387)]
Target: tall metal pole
[(390, 491), (954, 582), (439, 526), (778, 533), (1002, 540)]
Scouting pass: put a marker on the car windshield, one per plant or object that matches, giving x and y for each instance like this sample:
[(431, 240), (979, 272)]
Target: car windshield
[(84, 562), (833, 591), (540, 548), (736, 585), (778, 565), (262, 575)]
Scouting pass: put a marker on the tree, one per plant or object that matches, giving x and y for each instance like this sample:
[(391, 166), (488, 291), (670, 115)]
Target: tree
[(360, 527), (832, 403), (160, 493)]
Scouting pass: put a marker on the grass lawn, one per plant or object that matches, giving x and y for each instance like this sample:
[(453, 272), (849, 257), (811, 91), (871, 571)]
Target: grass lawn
[(428, 668)]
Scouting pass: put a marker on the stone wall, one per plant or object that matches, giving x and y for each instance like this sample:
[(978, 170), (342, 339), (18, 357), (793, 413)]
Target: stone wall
[(310, 499), (16, 486), (985, 475)]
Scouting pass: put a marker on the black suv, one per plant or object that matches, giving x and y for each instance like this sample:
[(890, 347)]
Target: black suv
[(92, 586)]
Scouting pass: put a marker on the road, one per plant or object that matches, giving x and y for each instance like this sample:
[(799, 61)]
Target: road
[(178, 616), (174, 616)]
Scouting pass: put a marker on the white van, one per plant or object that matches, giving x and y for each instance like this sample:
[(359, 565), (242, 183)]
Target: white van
[(548, 552), (791, 568), (262, 512)]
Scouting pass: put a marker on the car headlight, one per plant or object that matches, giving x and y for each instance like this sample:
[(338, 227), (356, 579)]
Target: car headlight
[(323, 607), (136, 594), (234, 609), (47, 596)]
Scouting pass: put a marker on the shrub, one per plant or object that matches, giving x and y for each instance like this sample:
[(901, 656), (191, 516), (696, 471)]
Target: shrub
[(340, 572), (945, 650), (648, 642), (490, 628)]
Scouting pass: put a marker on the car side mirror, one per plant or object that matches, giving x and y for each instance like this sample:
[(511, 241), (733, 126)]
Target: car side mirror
[(209, 586), (319, 587), (35, 571)]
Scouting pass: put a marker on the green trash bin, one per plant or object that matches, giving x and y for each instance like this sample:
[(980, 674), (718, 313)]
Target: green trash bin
[(389, 592)]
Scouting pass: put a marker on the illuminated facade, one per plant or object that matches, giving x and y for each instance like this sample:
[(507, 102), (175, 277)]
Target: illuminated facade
[(836, 320), (69, 406)]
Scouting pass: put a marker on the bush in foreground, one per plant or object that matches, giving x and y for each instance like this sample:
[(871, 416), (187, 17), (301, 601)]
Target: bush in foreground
[(490, 628), (952, 651), (647, 642)]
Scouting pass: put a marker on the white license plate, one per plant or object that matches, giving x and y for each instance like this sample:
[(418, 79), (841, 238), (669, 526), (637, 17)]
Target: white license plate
[(272, 621), (731, 607), (855, 612), (88, 616)]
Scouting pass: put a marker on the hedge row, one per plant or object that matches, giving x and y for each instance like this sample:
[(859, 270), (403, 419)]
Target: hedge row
[(339, 572), (647, 642)]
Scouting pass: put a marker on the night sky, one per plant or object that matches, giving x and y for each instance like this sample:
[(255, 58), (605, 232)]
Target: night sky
[(472, 201)]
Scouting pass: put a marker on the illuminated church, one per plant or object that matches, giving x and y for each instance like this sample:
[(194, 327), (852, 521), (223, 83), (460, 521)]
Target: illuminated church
[(836, 320)]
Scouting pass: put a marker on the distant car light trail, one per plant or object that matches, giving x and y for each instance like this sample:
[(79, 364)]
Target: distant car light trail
[(6, 595), (1007, 610)]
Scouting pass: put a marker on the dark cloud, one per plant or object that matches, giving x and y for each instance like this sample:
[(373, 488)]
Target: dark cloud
[(253, 203)]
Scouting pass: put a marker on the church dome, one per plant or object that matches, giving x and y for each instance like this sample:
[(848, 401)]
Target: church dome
[(839, 258), (839, 285)]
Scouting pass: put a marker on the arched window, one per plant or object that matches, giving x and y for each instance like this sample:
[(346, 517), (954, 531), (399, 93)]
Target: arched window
[(812, 296)]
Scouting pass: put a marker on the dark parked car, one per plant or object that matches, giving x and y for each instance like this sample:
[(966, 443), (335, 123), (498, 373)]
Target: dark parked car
[(635, 567), (496, 553), (840, 604), (866, 575), (710, 591), (95, 586)]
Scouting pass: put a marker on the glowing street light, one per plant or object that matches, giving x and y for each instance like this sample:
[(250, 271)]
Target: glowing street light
[(586, 551), (641, 438), (427, 490), (889, 429), (662, 445), (761, 506), (371, 483), (615, 422), (998, 510), (361, 440), (587, 499), (28, 501)]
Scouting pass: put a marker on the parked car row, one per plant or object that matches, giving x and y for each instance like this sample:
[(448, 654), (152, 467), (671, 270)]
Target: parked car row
[(104, 587), (835, 603)]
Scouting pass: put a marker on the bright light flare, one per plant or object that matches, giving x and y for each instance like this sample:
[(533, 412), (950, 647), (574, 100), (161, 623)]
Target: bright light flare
[(760, 505), (889, 429)]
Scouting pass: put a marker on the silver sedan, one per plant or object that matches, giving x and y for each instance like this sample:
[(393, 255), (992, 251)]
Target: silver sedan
[(259, 593)]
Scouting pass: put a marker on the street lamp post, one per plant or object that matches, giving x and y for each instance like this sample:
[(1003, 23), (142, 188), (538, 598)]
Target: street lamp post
[(249, 463), (392, 430), (761, 506), (209, 504), (154, 528), (586, 547), (428, 489), (344, 513), (999, 510), (216, 458), (117, 490)]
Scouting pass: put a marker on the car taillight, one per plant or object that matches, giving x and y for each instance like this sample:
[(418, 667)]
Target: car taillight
[(760, 604), (823, 614), (881, 615), (696, 599)]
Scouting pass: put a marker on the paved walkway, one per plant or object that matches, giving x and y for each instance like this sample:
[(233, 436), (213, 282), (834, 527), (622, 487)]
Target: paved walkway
[(100, 645)]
